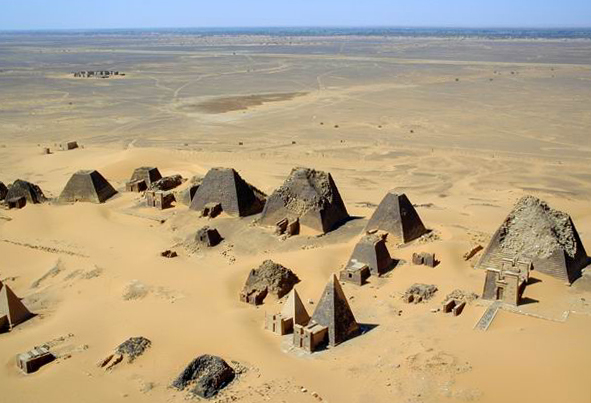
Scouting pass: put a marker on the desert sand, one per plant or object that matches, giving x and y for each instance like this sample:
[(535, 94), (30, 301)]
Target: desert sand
[(463, 127)]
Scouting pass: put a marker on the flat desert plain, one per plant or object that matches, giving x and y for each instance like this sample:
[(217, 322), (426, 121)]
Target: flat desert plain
[(463, 127)]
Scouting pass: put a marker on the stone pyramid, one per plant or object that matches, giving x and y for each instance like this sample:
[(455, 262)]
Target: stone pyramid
[(12, 310), (309, 195), (547, 237), (147, 174), (372, 251), (294, 308), (333, 311), (397, 216), (30, 191), (87, 186), (225, 186)]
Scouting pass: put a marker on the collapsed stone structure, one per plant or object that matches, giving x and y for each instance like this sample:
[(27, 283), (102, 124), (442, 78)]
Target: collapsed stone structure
[(534, 231), (226, 186), (31, 192), (396, 215), (207, 375), (268, 278), (309, 196), (418, 293), (70, 145), (96, 74), (34, 359), (12, 310), (332, 323), (293, 313), (129, 350), (142, 178), (508, 282), (456, 301), (167, 183), (87, 186)]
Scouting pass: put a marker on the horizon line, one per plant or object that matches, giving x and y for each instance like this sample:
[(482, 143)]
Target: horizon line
[(254, 27)]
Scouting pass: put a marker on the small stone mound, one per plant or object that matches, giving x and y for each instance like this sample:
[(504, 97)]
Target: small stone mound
[(31, 192), (418, 293), (167, 183), (269, 277), (461, 295), (169, 254), (207, 375), (129, 350)]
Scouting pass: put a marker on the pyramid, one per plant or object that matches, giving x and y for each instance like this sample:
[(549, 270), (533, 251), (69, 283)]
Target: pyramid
[(28, 190), (547, 237), (397, 216), (333, 311), (12, 310), (294, 308), (225, 186), (87, 186), (372, 251), (310, 196), (147, 174)]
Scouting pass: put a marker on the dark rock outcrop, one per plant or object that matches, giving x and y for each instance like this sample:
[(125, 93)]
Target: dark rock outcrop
[(206, 375)]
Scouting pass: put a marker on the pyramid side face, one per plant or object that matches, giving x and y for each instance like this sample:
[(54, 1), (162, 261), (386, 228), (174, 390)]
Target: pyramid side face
[(11, 306), (294, 308), (386, 217), (333, 311), (336, 211), (219, 186), (102, 187), (248, 203), (79, 188), (365, 253), (412, 225)]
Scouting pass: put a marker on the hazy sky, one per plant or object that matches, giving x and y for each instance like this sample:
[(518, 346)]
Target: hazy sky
[(43, 14)]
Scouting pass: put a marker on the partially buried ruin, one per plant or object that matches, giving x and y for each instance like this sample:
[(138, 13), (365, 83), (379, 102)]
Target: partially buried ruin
[(535, 232), (205, 376), (87, 186), (226, 187), (309, 197), (396, 215), (31, 192), (268, 278), (12, 310)]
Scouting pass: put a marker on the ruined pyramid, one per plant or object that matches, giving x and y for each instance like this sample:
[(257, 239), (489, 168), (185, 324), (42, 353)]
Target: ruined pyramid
[(294, 308), (225, 186), (28, 190), (397, 216), (309, 195), (535, 231), (372, 251), (87, 186), (12, 310), (333, 311)]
